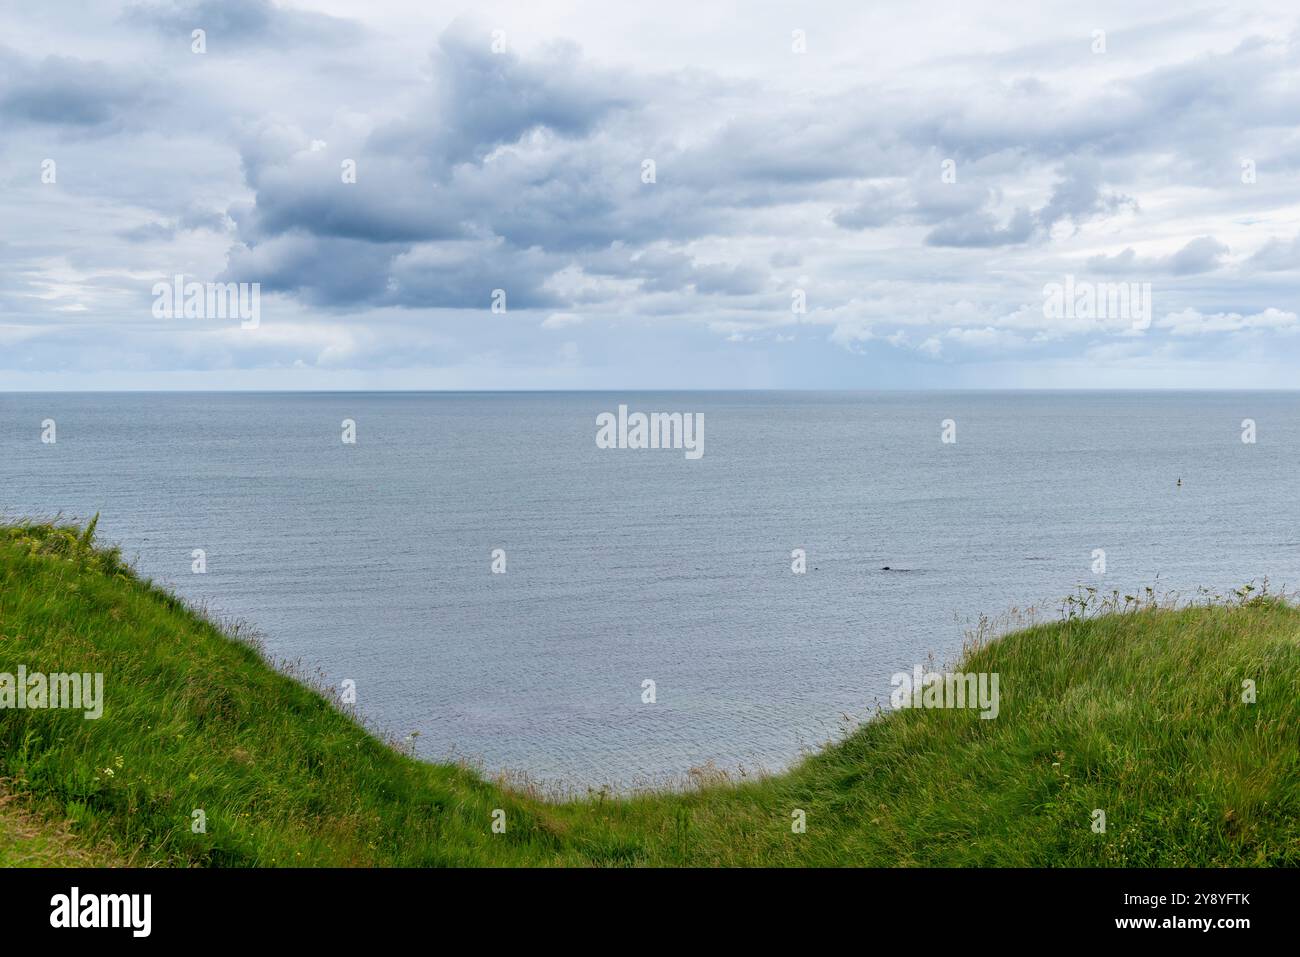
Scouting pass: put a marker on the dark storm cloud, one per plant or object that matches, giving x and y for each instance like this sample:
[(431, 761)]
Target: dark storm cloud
[(66, 91), (482, 99), (503, 148), (241, 23), (326, 271), (338, 273)]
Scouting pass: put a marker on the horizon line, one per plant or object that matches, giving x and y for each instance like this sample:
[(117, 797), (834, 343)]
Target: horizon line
[(632, 389)]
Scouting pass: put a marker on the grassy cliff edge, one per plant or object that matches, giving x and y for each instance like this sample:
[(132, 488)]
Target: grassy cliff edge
[(1138, 713)]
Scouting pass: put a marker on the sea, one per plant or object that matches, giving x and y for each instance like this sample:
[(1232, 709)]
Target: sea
[(498, 588)]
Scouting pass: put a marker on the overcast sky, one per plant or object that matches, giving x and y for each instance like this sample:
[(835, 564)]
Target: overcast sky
[(1171, 157)]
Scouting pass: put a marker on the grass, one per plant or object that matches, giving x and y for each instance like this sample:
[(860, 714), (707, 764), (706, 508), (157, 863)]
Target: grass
[(1137, 711), (27, 841)]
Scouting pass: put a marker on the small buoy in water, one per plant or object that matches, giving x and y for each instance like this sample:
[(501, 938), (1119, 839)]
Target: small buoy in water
[(1180, 481)]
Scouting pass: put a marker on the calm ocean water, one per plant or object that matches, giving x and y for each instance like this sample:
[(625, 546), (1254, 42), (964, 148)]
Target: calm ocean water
[(372, 562)]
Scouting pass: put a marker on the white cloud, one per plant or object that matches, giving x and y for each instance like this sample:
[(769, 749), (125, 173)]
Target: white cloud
[(1189, 322), (523, 172)]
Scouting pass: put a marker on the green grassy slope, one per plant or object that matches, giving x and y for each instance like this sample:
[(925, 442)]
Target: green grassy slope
[(1138, 714)]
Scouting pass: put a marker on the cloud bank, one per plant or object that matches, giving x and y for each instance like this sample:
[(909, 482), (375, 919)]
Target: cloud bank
[(666, 199)]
